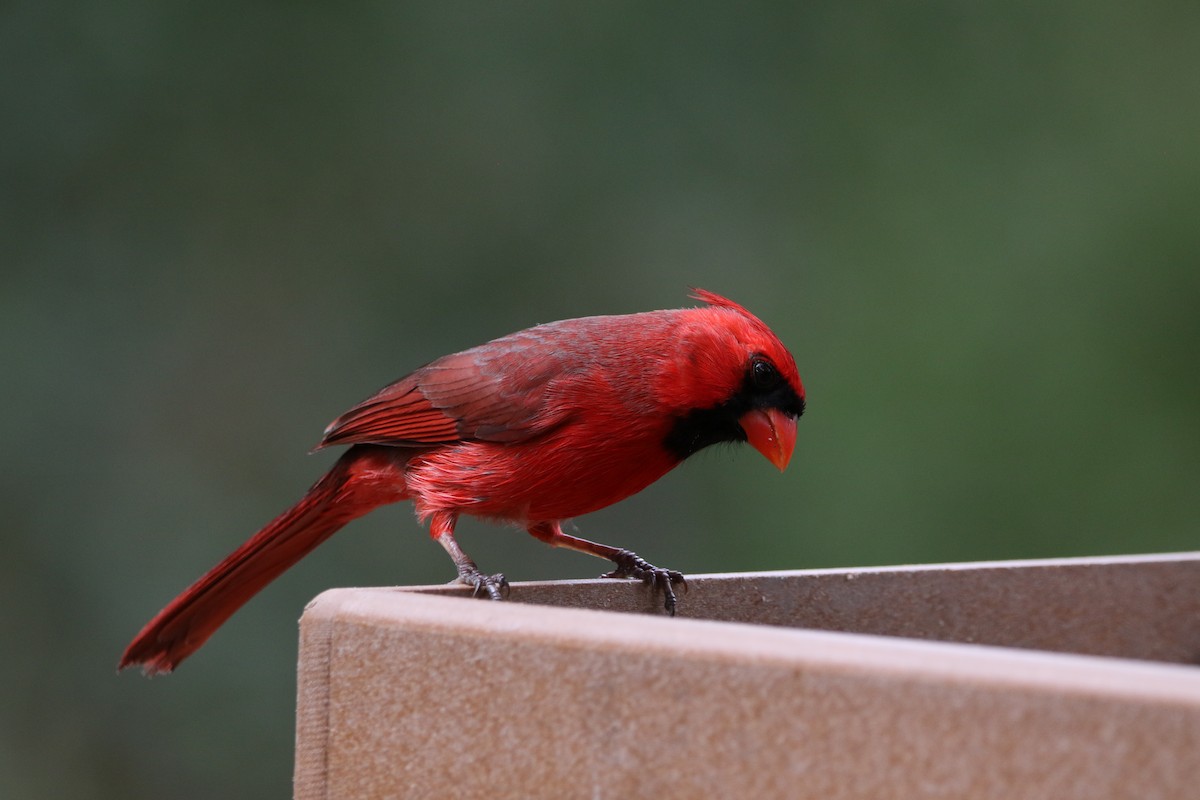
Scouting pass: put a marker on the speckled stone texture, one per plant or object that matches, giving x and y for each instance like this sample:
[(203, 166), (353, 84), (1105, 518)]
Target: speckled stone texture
[(426, 693)]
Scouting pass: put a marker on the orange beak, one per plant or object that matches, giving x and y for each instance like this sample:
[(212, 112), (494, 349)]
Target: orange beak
[(772, 433)]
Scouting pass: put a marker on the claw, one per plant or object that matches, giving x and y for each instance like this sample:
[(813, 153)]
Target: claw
[(631, 565), (494, 586)]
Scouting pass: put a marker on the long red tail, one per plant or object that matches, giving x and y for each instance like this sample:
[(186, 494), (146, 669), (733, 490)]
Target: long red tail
[(364, 478)]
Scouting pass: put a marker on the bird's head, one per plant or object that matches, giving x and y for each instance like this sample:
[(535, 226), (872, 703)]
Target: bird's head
[(734, 381)]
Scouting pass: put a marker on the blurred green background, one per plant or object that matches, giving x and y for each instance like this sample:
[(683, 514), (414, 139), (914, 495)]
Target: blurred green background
[(976, 226)]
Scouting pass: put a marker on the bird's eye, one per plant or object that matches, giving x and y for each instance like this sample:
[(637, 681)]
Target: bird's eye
[(763, 373)]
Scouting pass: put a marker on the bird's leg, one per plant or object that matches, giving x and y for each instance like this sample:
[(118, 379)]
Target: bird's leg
[(441, 527), (629, 564)]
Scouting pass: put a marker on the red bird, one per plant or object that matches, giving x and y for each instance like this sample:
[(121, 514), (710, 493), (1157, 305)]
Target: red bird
[(533, 428)]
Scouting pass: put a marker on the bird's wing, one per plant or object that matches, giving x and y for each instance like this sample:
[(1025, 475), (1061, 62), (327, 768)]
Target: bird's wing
[(496, 392)]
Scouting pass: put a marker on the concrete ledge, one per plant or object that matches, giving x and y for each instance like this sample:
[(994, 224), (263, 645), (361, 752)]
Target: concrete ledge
[(404, 693)]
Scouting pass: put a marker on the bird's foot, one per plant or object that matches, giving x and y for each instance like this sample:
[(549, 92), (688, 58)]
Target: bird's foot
[(495, 587), (631, 565)]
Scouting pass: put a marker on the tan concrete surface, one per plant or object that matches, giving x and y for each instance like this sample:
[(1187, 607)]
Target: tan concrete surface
[(409, 694)]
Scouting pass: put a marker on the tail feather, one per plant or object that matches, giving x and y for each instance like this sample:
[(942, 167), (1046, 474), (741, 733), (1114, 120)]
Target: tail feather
[(364, 478)]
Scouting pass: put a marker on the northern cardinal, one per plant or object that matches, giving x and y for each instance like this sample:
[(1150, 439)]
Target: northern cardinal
[(533, 428)]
